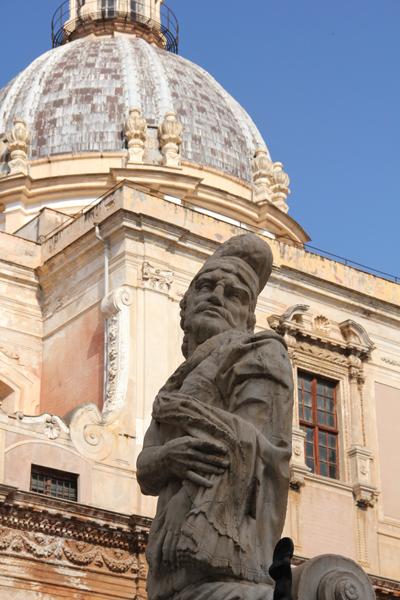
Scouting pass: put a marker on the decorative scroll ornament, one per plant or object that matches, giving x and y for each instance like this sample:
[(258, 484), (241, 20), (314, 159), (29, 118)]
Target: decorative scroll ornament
[(157, 279), (170, 139), (91, 430), (18, 143), (136, 134)]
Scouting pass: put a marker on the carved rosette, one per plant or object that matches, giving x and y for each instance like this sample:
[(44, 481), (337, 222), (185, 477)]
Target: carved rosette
[(52, 426), (170, 139), (18, 143), (91, 430), (136, 134)]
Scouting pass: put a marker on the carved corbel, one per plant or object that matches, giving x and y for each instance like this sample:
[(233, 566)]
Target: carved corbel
[(18, 143), (170, 139), (135, 134), (92, 431), (365, 496)]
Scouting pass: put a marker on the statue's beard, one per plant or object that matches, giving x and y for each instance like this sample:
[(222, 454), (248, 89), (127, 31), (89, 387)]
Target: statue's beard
[(202, 326)]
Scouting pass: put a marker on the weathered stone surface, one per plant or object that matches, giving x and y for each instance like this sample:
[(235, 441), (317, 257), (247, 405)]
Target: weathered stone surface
[(331, 577), (76, 98), (217, 451)]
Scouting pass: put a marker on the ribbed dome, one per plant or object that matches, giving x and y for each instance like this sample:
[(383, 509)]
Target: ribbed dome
[(76, 98)]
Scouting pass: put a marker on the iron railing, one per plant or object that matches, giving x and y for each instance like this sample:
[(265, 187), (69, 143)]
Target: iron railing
[(67, 24)]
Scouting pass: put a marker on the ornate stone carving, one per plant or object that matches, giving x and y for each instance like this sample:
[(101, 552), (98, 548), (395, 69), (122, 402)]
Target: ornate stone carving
[(271, 183), (136, 134), (56, 549), (346, 338), (322, 324), (91, 430), (158, 279), (280, 187), (365, 496), (170, 139), (18, 142), (262, 167), (50, 425), (390, 361)]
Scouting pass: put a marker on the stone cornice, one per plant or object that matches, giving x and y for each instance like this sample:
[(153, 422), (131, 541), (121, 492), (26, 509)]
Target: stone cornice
[(92, 174), (33, 526)]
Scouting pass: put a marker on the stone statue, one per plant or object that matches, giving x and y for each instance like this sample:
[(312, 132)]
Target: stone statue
[(217, 450)]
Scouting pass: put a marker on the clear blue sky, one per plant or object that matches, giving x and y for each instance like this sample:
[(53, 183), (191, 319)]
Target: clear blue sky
[(320, 79)]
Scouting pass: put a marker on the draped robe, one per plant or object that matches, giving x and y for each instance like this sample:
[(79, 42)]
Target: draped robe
[(235, 389)]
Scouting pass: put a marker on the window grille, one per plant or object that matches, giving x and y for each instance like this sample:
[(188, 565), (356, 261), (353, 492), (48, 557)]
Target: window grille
[(51, 482), (318, 419)]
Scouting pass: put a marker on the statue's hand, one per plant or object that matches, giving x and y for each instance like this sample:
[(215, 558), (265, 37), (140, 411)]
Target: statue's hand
[(192, 458)]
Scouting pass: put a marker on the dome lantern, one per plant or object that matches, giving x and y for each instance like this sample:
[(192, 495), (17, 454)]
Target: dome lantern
[(150, 19)]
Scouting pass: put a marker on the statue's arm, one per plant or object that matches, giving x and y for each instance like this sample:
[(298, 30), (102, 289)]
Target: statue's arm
[(151, 473), (181, 458)]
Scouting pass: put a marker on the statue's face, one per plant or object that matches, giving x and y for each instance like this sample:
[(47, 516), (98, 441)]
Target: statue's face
[(218, 301)]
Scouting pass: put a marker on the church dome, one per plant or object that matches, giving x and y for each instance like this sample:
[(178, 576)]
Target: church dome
[(76, 98)]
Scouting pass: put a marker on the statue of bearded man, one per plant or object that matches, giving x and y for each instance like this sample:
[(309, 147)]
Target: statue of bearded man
[(217, 450)]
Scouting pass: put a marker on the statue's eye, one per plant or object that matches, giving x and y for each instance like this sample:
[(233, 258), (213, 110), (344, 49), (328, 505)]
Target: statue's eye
[(204, 285)]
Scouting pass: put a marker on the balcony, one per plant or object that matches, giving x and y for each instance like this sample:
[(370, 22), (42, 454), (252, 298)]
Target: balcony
[(78, 18)]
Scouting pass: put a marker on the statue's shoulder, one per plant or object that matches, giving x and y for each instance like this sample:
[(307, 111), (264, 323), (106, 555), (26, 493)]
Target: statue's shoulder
[(248, 342), (267, 335)]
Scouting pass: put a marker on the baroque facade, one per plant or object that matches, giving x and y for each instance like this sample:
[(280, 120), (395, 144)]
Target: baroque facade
[(122, 167)]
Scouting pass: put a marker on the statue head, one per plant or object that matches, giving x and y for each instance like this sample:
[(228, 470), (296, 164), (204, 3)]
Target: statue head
[(223, 294)]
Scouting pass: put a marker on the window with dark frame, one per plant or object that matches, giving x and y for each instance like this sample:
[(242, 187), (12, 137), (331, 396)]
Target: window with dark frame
[(54, 483), (318, 419)]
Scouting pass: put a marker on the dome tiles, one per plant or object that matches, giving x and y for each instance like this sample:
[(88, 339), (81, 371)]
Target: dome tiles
[(76, 98)]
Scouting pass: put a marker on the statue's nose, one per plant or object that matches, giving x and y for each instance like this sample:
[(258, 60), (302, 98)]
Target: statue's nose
[(217, 295)]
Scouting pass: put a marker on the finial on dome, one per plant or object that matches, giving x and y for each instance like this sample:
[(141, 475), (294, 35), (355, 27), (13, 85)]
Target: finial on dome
[(170, 138), (270, 182), (18, 140), (136, 134), (151, 20)]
